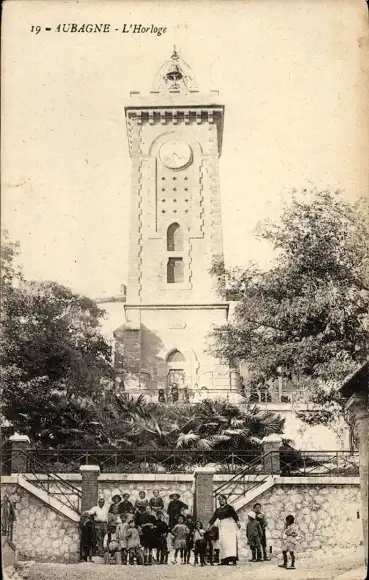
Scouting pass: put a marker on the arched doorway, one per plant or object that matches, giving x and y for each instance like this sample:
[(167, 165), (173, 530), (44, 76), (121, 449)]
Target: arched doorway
[(176, 377)]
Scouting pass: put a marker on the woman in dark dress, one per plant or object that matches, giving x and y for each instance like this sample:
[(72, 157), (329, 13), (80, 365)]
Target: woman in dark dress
[(228, 524), (174, 508), (146, 521)]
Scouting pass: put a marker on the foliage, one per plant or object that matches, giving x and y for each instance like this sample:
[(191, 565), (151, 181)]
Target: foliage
[(308, 313), (140, 423), (52, 354)]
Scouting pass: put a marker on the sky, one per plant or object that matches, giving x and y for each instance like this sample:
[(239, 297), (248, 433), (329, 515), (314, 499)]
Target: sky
[(290, 75)]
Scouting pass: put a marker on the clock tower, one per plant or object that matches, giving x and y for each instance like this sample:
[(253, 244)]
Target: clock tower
[(175, 142)]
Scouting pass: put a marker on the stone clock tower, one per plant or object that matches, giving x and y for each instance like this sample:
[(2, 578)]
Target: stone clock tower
[(175, 141)]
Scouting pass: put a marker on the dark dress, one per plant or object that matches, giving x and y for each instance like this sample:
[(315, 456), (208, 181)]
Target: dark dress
[(148, 534), (125, 506), (156, 503), (174, 509)]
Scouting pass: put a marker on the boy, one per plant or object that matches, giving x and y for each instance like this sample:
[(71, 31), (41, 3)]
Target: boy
[(199, 544), (161, 532), (88, 537), (260, 516), (111, 545), (253, 534)]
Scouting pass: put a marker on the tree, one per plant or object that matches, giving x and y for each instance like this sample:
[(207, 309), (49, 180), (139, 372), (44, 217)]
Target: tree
[(53, 355), (308, 313)]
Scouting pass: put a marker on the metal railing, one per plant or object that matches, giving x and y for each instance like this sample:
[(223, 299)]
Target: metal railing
[(319, 463), (54, 485), (7, 517), (140, 461), (245, 479)]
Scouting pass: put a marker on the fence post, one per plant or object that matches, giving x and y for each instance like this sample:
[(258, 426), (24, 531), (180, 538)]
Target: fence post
[(203, 500), (272, 462), (19, 461), (89, 487)]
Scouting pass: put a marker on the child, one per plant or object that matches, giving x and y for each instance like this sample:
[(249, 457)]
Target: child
[(146, 522), (141, 502), (88, 537), (180, 532), (253, 534), (199, 543), (189, 541), (133, 543), (161, 532), (111, 545), (214, 538), (290, 538), (263, 523), (121, 533), (113, 515)]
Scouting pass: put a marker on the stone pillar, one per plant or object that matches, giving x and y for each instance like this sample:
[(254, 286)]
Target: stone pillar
[(204, 499), (89, 488), (19, 461), (359, 405), (271, 445)]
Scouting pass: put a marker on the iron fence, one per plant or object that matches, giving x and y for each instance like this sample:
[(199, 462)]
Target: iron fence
[(319, 463), (138, 460)]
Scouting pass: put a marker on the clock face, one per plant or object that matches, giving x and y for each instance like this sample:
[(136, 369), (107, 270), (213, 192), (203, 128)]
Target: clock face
[(175, 154)]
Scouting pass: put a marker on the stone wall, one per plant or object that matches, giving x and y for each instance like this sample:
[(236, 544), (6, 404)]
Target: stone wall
[(326, 516), (40, 533)]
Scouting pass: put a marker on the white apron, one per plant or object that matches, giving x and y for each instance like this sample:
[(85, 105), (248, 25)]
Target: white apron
[(228, 544)]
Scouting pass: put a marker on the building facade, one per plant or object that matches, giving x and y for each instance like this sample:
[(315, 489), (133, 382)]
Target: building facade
[(175, 142)]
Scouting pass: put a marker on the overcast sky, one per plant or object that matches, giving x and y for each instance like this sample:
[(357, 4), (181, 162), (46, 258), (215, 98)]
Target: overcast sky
[(289, 74)]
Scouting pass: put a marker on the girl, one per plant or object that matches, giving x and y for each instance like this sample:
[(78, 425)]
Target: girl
[(254, 534), (133, 543), (146, 521), (156, 502), (121, 533), (180, 532), (88, 537), (111, 545), (290, 537)]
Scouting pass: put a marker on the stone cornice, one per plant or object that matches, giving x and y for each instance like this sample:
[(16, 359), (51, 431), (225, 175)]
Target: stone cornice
[(173, 114)]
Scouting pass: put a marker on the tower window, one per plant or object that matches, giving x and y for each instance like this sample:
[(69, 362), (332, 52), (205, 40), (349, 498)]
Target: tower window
[(175, 273), (174, 238)]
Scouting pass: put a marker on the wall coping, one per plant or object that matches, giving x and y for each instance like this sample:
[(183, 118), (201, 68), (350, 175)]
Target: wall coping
[(95, 468), (20, 438), (218, 478)]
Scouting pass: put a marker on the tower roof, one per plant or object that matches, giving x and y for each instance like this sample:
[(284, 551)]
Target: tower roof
[(175, 75)]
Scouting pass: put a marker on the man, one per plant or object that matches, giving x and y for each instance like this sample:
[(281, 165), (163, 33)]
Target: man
[(174, 508), (100, 515), (260, 517)]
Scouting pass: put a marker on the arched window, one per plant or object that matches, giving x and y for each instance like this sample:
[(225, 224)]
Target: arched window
[(174, 238), (175, 356), (175, 271)]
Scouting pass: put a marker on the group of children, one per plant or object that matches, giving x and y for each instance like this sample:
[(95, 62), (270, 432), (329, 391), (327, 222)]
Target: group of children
[(256, 537), (141, 532)]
